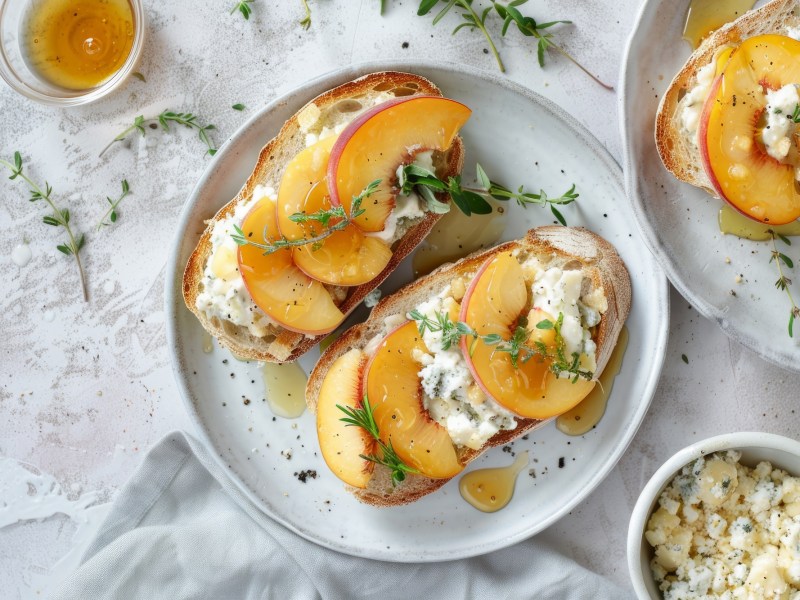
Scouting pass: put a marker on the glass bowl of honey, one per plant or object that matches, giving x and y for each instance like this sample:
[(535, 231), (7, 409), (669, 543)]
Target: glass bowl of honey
[(69, 52)]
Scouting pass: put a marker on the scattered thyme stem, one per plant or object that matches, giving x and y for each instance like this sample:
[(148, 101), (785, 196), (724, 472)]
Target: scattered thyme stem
[(568, 56)]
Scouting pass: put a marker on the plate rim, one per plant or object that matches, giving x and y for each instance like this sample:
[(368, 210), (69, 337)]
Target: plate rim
[(649, 232), (173, 302)]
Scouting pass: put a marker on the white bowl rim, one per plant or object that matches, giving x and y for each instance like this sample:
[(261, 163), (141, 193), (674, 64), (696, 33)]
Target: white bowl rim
[(649, 495)]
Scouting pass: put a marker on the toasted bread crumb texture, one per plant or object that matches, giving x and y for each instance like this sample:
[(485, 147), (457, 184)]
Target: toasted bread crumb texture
[(680, 155), (317, 119), (566, 247)]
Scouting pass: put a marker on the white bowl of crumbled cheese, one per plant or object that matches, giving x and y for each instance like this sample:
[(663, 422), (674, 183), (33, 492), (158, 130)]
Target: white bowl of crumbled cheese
[(720, 519)]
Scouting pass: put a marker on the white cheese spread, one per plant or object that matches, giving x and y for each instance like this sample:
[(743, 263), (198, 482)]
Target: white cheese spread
[(723, 530), (793, 32), (223, 294), (695, 98), (780, 128), (451, 396)]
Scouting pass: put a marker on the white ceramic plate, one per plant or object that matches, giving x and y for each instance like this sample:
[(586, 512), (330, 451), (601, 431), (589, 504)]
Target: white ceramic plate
[(679, 221), (519, 138)]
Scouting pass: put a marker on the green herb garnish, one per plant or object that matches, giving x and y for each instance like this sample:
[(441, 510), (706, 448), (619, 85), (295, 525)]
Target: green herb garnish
[(164, 119), (363, 417), (783, 281), (59, 217), (306, 22), (111, 214), (331, 219), (244, 8), (240, 107)]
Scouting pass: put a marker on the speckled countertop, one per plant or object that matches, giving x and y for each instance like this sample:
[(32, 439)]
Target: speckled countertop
[(86, 388)]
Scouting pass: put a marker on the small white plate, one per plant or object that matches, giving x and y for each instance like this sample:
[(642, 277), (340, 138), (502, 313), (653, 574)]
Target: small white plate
[(519, 138), (679, 221)]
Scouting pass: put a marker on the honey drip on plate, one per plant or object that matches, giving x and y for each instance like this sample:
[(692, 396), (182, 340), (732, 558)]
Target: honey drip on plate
[(208, 343), (588, 413), (456, 235), (489, 490), (705, 16), (285, 389), (78, 44), (732, 222)]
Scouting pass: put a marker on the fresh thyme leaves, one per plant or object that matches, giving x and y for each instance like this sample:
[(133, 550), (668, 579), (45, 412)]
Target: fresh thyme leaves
[(510, 14), (306, 22), (59, 217), (783, 281), (244, 8), (164, 119), (383, 6), (239, 106), (139, 76), (363, 417), (111, 214), (472, 200), (471, 19), (517, 347), (331, 219), (530, 28), (795, 116)]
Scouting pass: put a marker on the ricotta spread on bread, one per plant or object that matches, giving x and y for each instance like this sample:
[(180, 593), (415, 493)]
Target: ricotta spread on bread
[(695, 98), (724, 530)]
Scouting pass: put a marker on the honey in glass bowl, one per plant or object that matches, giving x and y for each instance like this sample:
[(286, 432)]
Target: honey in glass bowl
[(77, 44)]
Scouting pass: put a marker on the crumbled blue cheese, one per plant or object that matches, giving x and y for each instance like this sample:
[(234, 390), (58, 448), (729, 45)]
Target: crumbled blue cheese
[(557, 291), (779, 130), (223, 294), (745, 543), (451, 396), (695, 98)]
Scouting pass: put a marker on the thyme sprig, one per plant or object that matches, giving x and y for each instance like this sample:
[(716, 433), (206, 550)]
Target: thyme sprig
[(517, 346), (331, 219), (510, 14), (306, 22), (111, 214), (244, 8), (60, 217), (783, 281), (528, 27), (473, 200), (164, 119), (363, 417)]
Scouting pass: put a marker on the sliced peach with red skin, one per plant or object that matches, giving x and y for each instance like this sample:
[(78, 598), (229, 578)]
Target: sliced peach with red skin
[(493, 304), (346, 257), (277, 286), (733, 154), (342, 445), (394, 391), (381, 139)]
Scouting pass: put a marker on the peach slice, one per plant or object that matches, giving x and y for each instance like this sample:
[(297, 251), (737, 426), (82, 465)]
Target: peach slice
[(734, 157), (493, 304), (381, 139), (277, 286), (346, 257), (343, 445), (394, 391)]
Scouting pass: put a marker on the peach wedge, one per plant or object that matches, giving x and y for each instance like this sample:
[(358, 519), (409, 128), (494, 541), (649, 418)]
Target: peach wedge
[(343, 445), (377, 142), (493, 304), (393, 389), (277, 286)]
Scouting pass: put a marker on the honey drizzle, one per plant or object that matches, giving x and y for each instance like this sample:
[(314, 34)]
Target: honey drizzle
[(588, 413), (489, 490), (732, 222), (705, 16), (455, 235), (285, 389)]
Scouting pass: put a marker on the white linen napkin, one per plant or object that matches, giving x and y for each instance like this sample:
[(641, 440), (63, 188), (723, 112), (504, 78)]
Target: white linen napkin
[(180, 529)]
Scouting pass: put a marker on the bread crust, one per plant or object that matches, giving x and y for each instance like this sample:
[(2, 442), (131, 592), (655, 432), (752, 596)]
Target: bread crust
[(680, 156), (282, 345), (575, 247)]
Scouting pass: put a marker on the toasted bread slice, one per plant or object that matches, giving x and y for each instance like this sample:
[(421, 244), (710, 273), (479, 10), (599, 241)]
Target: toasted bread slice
[(330, 109), (568, 247), (678, 153)]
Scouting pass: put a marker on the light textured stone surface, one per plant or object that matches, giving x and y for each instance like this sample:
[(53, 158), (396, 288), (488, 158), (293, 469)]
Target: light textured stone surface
[(86, 388)]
